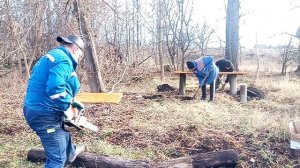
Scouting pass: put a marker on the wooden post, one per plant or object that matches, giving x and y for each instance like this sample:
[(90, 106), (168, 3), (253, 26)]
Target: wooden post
[(182, 82), (243, 93), (233, 84)]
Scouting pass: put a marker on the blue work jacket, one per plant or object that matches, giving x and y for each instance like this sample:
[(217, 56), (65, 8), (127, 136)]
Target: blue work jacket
[(53, 83), (209, 73)]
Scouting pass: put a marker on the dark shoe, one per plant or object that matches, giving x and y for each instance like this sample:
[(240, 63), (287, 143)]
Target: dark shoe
[(211, 100), (203, 98)]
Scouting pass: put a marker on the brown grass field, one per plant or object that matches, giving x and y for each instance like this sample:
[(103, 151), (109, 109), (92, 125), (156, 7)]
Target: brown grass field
[(167, 127)]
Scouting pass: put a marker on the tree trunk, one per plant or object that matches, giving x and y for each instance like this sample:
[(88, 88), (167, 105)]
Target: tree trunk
[(232, 32), (182, 60), (298, 68), (226, 158), (92, 65), (159, 32), (283, 69)]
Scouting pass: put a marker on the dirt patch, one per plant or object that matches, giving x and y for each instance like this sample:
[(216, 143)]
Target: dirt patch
[(153, 96), (11, 129), (184, 97), (188, 98)]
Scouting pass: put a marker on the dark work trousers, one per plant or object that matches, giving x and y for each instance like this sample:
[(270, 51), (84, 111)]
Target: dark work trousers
[(212, 91), (56, 141)]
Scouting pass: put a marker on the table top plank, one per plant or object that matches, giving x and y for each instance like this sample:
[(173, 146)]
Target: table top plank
[(220, 73)]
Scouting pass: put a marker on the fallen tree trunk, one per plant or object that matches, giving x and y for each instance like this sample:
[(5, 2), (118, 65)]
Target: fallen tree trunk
[(91, 160), (226, 158)]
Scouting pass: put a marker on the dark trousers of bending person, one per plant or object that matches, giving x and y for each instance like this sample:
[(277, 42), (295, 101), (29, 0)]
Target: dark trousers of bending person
[(211, 91)]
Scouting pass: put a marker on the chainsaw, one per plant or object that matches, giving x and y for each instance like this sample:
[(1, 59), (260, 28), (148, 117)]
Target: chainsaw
[(80, 122)]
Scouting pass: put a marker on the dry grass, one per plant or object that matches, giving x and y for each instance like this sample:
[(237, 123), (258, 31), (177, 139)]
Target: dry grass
[(164, 128)]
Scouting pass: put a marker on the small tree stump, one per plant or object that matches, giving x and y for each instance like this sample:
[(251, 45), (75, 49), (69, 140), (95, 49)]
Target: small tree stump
[(233, 84), (182, 83), (243, 93)]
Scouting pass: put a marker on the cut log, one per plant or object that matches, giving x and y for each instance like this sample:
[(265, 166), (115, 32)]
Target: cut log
[(226, 158), (91, 160)]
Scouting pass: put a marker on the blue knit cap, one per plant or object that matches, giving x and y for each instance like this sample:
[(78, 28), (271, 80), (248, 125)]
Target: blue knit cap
[(191, 64)]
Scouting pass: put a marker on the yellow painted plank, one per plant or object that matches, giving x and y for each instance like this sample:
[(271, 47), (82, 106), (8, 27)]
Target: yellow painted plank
[(99, 97)]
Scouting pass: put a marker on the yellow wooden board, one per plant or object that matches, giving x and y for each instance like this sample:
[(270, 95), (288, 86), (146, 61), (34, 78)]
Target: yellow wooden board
[(99, 97)]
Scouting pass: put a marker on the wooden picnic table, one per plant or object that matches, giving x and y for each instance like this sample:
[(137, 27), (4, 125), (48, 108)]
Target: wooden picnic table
[(232, 80)]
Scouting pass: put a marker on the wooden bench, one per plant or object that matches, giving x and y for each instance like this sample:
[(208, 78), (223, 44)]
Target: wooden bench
[(99, 97), (232, 80)]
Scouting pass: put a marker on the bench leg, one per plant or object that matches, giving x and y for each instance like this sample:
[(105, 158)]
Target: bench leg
[(233, 84), (182, 82)]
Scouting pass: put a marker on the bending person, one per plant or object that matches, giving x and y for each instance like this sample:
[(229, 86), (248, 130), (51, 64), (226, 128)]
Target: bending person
[(207, 72)]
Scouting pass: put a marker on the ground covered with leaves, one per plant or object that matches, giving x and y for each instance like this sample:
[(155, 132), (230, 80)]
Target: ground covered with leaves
[(158, 126)]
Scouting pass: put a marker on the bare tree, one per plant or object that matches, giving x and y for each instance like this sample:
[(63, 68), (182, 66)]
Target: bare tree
[(298, 36), (179, 31), (203, 37), (95, 80), (159, 38), (288, 55), (184, 39)]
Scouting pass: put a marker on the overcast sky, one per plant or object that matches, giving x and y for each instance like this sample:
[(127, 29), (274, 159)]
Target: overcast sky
[(269, 19)]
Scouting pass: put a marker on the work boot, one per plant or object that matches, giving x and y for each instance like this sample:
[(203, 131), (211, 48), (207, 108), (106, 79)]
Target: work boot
[(79, 149), (203, 98)]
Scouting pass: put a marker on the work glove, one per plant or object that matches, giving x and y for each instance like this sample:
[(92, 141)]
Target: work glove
[(74, 110), (71, 113), (77, 104)]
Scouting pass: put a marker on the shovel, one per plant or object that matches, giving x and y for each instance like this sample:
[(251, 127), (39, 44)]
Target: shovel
[(194, 97), (190, 97)]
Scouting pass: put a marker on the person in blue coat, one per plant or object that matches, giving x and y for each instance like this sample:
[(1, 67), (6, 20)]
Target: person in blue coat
[(51, 89), (207, 72)]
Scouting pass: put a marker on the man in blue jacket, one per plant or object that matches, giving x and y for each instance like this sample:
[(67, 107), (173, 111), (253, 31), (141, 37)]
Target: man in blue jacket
[(51, 88), (207, 72)]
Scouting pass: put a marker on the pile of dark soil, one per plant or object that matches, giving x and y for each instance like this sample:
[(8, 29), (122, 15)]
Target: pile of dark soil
[(254, 93), (165, 88)]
